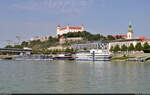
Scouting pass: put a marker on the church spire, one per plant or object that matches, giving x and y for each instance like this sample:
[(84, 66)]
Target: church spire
[(130, 22), (130, 31), (130, 27)]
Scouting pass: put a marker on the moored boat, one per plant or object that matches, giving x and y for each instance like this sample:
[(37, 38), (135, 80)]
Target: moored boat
[(93, 55), (63, 57)]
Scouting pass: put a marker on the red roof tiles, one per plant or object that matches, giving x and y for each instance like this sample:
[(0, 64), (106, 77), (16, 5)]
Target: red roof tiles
[(124, 36), (146, 40), (142, 38), (63, 28), (58, 25), (74, 27), (62, 37), (70, 28)]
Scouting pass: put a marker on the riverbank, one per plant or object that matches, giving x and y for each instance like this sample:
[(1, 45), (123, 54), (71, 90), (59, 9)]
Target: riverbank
[(6, 57), (121, 58), (131, 57)]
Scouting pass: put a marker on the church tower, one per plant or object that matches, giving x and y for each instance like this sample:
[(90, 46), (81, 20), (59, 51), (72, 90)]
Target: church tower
[(130, 32)]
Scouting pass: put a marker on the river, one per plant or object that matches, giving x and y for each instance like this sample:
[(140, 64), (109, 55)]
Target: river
[(74, 77)]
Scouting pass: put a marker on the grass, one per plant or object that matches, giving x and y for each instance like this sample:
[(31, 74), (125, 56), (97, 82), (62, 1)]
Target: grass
[(121, 58)]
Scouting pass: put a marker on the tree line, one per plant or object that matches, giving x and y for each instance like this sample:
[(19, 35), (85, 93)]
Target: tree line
[(91, 37), (131, 47), (55, 51), (87, 36)]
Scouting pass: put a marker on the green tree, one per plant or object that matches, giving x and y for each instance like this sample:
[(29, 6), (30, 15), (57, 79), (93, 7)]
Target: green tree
[(67, 50), (84, 48), (75, 50), (9, 46), (18, 46), (131, 47), (116, 48), (24, 44), (110, 37), (111, 48), (1, 53), (138, 47), (123, 47), (36, 51), (146, 46), (118, 37)]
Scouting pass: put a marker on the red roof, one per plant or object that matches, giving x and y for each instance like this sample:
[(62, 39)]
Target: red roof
[(74, 27), (70, 28), (63, 28), (58, 25), (62, 37), (146, 40), (142, 38), (120, 35), (123, 35)]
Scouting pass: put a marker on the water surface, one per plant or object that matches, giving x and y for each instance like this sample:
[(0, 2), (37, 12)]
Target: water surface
[(74, 77)]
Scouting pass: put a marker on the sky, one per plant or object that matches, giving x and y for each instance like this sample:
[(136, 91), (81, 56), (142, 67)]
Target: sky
[(30, 18)]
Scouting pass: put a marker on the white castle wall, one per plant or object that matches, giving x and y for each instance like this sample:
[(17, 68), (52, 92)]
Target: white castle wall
[(67, 30)]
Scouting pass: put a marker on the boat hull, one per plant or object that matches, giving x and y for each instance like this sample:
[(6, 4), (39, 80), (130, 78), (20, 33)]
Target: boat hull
[(91, 57), (92, 60), (63, 58)]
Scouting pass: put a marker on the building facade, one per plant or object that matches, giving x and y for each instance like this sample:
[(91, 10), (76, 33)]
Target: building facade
[(42, 39), (67, 29), (59, 47), (125, 42), (63, 40), (129, 38)]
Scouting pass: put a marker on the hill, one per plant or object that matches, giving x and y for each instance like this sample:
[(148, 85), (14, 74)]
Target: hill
[(40, 45)]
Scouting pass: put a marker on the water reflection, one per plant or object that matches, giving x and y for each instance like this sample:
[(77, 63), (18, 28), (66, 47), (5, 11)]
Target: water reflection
[(74, 77)]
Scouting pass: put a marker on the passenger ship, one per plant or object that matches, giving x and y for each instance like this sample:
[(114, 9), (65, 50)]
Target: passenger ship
[(93, 55)]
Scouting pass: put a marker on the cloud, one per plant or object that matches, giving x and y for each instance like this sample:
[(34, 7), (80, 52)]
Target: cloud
[(26, 5), (54, 6)]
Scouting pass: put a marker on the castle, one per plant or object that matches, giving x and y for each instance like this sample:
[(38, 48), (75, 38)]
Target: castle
[(67, 29)]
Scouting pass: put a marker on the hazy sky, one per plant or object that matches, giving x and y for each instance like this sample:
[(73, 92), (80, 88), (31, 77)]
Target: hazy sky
[(30, 18)]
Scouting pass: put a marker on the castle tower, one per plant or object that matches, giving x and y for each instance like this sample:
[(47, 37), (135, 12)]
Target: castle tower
[(130, 31), (58, 29), (67, 26), (82, 27)]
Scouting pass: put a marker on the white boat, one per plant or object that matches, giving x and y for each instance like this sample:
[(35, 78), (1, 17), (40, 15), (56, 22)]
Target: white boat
[(93, 55)]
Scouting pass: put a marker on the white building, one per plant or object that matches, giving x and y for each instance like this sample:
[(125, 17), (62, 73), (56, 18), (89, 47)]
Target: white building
[(67, 29), (126, 42), (62, 39), (59, 47), (35, 38), (129, 39), (40, 38)]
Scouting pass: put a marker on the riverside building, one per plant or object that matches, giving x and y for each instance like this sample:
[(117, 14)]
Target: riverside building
[(128, 39)]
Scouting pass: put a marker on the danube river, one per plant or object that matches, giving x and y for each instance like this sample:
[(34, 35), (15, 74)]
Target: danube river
[(74, 77)]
